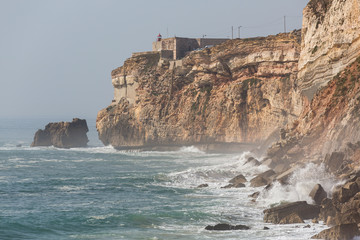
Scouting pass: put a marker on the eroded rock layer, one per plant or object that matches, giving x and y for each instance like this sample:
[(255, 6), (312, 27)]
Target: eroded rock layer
[(241, 91), (330, 41)]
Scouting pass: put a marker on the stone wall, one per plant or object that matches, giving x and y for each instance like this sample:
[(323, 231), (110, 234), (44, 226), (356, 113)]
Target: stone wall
[(203, 42), (181, 46)]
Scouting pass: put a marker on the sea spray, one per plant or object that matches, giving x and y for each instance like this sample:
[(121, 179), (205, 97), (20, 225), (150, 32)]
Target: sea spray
[(300, 185), (217, 174)]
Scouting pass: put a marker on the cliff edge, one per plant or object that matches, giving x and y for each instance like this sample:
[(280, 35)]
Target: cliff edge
[(238, 92)]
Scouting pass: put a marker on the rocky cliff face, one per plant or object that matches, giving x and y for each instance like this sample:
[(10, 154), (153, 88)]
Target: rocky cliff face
[(330, 42), (241, 91), (329, 75), (331, 123)]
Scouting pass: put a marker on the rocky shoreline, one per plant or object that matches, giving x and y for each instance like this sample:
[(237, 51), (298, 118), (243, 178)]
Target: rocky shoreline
[(296, 95)]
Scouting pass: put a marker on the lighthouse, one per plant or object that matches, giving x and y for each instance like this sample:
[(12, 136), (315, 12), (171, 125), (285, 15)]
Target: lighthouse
[(159, 37)]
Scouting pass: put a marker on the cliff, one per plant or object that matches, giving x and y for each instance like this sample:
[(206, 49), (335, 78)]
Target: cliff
[(238, 92), (329, 75), (330, 42), (329, 124)]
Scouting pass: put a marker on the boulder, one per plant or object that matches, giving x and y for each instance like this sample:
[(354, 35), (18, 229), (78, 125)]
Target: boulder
[(333, 161), (237, 185), (262, 179), (203, 185), (351, 216), (283, 178), (259, 181), (238, 179), (346, 192), (291, 219), (318, 194), (252, 161), (254, 195), (328, 210), (301, 208), (281, 168), (339, 232), (226, 227), (63, 134)]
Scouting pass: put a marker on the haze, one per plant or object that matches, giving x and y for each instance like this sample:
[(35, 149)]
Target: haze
[(56, 56)]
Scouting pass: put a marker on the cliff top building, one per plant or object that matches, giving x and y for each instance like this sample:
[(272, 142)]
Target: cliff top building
[(178, 47)]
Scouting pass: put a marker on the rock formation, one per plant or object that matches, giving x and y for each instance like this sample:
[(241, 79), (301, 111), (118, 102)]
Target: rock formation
[(241, 91), (330, 42), (291, 213), (63, 134)]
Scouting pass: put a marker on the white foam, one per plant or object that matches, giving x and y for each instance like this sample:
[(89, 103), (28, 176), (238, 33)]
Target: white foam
[(300, 185), (217, 174), (191, 149)]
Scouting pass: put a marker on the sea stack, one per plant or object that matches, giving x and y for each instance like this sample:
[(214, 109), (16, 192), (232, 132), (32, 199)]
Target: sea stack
[(63, 134)]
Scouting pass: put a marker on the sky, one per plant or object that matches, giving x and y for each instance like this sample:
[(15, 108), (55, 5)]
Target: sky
[(56, 56)]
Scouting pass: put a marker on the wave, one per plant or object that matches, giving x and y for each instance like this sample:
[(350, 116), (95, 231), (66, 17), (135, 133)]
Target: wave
[(300, 185), (218, 174)]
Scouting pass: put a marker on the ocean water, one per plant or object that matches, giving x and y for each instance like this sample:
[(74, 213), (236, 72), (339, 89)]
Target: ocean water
[(100, 193)]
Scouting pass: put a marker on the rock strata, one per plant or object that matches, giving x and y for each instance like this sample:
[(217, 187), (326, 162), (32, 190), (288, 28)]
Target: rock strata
[(63, 134), (237, 93)]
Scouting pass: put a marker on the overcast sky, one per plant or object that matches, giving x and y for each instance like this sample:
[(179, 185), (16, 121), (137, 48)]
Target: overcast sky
[(56, 56)]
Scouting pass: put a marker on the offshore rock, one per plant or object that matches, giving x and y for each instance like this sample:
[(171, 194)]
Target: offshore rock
[(63, 134), (237, 93), (226, 227)]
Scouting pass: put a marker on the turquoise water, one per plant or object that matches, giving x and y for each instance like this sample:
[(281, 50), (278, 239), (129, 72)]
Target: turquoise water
[(100, 193)]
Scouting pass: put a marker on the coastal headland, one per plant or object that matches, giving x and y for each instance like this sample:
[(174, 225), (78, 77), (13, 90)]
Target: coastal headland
[(293, 97)]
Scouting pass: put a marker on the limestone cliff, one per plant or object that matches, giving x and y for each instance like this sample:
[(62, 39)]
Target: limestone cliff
[(241, 91), (330, 42), (331, 123), (329, 75)]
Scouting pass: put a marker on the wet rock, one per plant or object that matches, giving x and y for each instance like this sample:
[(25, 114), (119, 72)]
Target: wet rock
[(226, 227), (307, 226), (327, 210), (339, 232), (63, 134), (262, 179), (291, 219), (315, 220), (238, 179), (301, 208), (352, 216), (318, 194), (237, 185), (203, 185), (284, 177), (346, 192), (281, 168), (254, 195), (333, 161), (266, 228), (252, 161), (259, 181)]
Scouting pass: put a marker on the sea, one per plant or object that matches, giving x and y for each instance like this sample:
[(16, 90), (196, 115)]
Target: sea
[(101, 193)]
